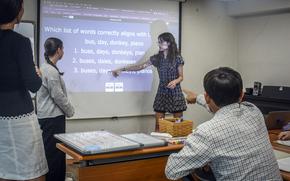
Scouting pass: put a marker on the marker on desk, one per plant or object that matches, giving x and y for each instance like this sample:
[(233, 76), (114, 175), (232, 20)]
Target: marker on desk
[(286, 127), (179, 120), (176, 141)]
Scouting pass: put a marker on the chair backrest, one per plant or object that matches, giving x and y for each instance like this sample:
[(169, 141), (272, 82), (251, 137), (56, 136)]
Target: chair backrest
[(277, 119), (202, 174)]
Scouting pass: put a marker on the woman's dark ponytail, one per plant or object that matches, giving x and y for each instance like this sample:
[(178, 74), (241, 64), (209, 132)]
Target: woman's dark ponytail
[(51, 45)]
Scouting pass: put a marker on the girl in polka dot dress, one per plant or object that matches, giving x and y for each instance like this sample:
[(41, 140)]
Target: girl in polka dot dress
[(169, 64)]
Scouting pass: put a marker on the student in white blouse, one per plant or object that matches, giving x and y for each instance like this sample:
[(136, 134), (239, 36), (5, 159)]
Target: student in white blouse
[(234, 143)]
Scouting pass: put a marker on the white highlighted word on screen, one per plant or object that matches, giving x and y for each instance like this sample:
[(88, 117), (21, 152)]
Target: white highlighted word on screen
[(114, 87)]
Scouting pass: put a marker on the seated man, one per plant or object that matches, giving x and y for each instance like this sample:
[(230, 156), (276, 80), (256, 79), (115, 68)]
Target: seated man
[(234, 143), (285, 135)]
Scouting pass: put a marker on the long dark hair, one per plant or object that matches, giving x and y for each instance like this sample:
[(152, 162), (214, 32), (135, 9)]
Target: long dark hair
[(51, 46), (9, 10), (172, 48)]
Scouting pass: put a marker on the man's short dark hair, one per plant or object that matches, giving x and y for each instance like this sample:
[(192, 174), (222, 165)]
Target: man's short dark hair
[(223, 85), (9, 10)]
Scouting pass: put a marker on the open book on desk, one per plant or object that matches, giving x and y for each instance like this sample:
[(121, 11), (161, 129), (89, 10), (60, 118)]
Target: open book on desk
[(283, 142)]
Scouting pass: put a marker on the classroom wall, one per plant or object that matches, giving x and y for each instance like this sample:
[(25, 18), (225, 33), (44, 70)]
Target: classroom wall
[(208, 41), (264, 49), (30, 10), (250, 7)]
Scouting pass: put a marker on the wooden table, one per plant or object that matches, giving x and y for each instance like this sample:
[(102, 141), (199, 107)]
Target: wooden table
[(142, 164), (146, 164), (273, 134)]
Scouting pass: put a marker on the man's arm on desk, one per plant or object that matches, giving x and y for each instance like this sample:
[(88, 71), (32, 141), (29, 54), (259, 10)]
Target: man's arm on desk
[(195, 154)]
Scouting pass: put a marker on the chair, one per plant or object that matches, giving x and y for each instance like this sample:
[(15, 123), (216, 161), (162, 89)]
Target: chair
[(200, 174)]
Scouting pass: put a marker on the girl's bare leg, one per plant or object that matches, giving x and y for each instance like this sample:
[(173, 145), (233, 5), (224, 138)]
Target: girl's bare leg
[(158, 115), (178, 114)]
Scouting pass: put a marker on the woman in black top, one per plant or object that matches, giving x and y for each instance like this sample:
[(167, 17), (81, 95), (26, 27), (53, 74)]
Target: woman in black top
[(21, 148)]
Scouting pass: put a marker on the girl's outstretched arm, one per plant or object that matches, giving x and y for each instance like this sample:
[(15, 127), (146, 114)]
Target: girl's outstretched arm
[(133, 67)]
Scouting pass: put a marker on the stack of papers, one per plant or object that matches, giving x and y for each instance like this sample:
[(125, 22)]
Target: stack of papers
[(283, 160), (282, 142), (176, 140), (168, 138), (161, 135), (284, 164)]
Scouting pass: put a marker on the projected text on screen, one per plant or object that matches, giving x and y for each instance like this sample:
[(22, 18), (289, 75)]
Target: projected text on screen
[(98, 39)]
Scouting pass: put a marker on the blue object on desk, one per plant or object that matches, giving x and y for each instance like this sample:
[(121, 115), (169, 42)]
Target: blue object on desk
[(286, 127), (92, 148)]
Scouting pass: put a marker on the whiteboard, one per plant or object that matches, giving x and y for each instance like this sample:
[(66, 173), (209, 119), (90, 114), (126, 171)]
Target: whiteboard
[(27, 29)]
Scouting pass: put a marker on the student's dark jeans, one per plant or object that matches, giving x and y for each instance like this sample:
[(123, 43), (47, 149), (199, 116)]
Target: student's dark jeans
[(55, 157)]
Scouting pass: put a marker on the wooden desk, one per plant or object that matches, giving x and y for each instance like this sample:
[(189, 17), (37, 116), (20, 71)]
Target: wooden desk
[(141, 164), (273, 134)]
